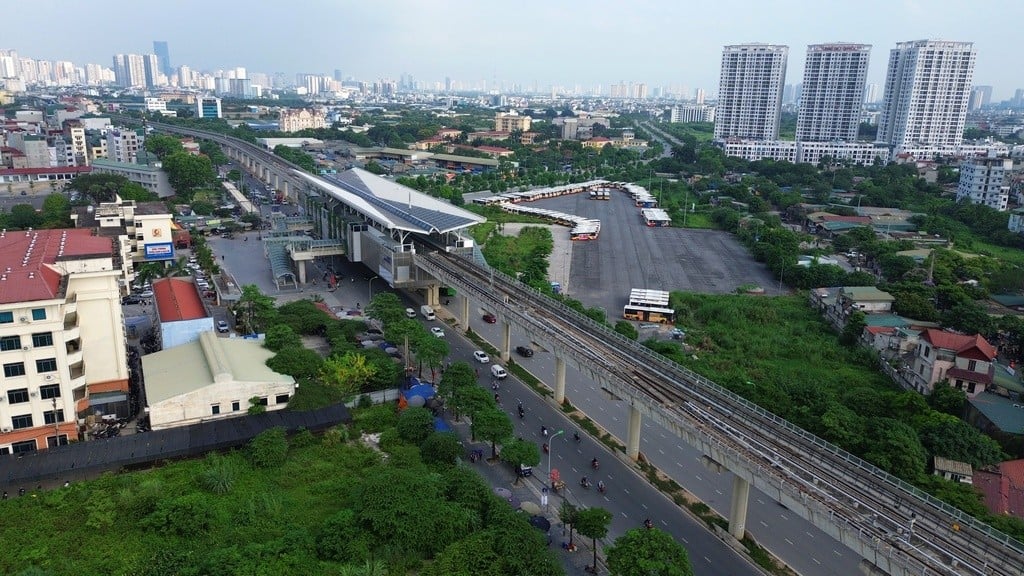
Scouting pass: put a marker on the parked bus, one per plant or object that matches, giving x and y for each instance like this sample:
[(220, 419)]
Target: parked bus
[(649, 306)]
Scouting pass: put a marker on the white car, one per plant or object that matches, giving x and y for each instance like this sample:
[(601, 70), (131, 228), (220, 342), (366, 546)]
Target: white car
[(146, 293), (437, 331), (481, 357), (222, 327)]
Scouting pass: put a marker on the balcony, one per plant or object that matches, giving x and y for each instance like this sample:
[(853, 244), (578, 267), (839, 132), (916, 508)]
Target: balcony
[(77, 373), (70, 321), (71, 306), (73, 334), (73, 350)]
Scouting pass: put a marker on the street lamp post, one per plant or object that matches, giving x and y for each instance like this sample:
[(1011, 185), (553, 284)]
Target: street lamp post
[(551, 448), (369, 289)]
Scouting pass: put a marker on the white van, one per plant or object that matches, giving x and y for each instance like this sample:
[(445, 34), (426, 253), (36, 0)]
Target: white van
[(427, 312), (410, 313), (498, 372)]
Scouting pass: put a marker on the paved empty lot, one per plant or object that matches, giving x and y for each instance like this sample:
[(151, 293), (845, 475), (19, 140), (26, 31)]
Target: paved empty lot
[(629, 255)]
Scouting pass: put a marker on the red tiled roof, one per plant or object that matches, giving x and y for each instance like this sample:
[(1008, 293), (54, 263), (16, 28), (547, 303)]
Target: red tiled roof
[(975, 347), (496, 149), (49, 170), (969, 375), (1003, 490), (880, 329), (28, 270), (177, 299)]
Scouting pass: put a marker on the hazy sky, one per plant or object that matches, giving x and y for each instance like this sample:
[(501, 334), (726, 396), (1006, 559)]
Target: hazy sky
[(563, 42)]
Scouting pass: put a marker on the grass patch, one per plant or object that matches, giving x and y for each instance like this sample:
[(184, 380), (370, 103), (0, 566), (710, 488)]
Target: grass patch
[(1009, 255), (699, 220)]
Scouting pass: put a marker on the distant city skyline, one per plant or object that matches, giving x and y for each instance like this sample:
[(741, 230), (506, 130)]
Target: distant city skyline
[(565, 44)]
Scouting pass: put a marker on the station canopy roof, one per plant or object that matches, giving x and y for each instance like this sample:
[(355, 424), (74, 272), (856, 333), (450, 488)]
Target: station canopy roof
[(392, 204)]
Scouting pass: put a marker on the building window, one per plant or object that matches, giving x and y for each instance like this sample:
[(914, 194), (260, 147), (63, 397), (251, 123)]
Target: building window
[(42, 339), (50, 418), (46, 365), (970, 387), (17, 396), (14, 369), (927, 350), (49, 391), (52, 441), (236, 405), (6, 317), (39, 313), (263, 400), (8, 343), (23, 447), (281, 399), (23, 421), (215, 409), (972, 365)]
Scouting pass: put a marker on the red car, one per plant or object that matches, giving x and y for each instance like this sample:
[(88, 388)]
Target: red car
[(490, 319)]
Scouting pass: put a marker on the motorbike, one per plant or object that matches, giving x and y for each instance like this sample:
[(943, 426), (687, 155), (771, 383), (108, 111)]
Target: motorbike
[(522, 412), (595, 464), (601, 487), (545, 448), (585, 483)]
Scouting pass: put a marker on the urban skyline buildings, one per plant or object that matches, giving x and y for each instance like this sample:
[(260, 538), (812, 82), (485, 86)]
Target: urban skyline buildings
[(750, 91), (927, 87), (163, 54), (833, 91)]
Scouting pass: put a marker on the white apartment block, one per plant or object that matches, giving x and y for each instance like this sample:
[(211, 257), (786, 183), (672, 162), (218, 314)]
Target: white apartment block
[(296, 120), (692, 113), (750, 91), (62, 342), (984, 181), (511, 122), (156, 105), (863, 153), (833, 92), (927, 88), (150, 176)]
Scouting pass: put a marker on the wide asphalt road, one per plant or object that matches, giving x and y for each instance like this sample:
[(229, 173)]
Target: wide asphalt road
[(629, 497), (794, 540)]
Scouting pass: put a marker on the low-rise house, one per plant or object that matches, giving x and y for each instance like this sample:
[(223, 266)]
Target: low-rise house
[(211, 378), (180, 311), (966, 361), (952, 470)]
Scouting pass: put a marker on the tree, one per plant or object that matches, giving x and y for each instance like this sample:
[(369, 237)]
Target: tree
[(457, 377), (269, 448), (895, 447), (647, 552), (854, 328), (568, 513), (627, 329), (946, 399), (415, 424), (593, 523), (431, 350), (186, 172), (213, 152), (254, 310), (493, 425), (440, 448), (56, 211), (347, 374), (518, 453), (23, 217), (386, 307), (296, 361), (163, 145), (280, 336)]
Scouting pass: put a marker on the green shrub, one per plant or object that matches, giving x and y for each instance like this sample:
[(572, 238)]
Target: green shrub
[(269, 448)]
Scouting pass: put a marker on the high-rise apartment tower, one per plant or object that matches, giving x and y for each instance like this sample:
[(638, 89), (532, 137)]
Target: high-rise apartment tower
[(927, 89), (750, 91), (833, 92)]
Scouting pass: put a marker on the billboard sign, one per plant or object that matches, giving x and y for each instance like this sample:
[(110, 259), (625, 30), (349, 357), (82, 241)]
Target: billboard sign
[(159, 251)]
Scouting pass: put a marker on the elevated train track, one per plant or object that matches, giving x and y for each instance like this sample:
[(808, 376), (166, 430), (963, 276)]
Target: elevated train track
[(900, 529), (894, 526)]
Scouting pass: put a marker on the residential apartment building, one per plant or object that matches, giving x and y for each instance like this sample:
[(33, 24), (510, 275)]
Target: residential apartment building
[(208, 108), (303, 119), (156, 105), (750, 91), (123, 145), (985, 181), (833, 92), (863, 153), (74, 135), (62, 342), (966, 361), (511, 122), (692, 113), (130, 70), (927, 88), (142, 231), (34, 147)]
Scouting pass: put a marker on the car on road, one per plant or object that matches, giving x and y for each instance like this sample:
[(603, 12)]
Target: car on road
[(146, 294), (524, 351), (437, 331), (481, 357), (499, 372), (131, 299), (490, 318), (222, 327)]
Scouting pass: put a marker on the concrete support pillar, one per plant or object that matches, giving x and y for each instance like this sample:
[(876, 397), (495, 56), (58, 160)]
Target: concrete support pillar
[(434, 295), (464, 315), (276, 182), (633, 433), (506, 341), (738, 508), (559, 380), (284, 188), (302, 271)]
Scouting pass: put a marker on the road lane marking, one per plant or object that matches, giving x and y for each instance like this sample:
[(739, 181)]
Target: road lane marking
[(783, 516), (644, 505), (625, 490), (815, 560), (790, 542), (763, 523), (809, 534), (624, 515), (719, 492), (708, 560), (697, 476), (837, 552)]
